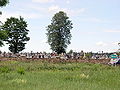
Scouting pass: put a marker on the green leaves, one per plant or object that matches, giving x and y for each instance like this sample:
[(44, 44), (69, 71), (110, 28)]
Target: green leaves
[(17, 34), (3, 36), (3, 2), (59, 34)]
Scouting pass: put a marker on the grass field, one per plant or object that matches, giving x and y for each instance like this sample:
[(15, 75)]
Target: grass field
[(39, 75)]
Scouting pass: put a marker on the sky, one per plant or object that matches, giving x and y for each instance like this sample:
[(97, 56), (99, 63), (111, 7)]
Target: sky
[(96, 23)]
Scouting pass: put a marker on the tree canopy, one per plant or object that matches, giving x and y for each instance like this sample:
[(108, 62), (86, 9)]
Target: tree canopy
[(3, 34), (58, 32), (3, 2), (17, 33)]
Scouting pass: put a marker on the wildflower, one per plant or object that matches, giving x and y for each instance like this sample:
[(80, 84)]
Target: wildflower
[(84, 76)]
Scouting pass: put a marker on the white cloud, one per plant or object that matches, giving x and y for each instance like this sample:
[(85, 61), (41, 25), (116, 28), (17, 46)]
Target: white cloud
[(54, 8), (73, 12), (43, 1), (101, 43), (68, 1), (17, 14), (115, 43), (110, 44), (112, 31)]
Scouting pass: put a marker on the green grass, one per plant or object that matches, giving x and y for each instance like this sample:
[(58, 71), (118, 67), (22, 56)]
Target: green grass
[(39, 75)]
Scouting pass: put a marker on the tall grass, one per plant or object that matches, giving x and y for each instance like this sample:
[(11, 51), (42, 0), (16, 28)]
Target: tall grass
[(48, 76)]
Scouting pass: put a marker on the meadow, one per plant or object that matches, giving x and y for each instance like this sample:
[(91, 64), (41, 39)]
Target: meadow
[(42, 75)]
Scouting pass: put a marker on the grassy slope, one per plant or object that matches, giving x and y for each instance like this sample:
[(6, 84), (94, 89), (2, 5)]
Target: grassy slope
[(47, 76)]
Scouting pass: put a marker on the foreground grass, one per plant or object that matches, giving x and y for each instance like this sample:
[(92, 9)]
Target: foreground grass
[(37, 75)]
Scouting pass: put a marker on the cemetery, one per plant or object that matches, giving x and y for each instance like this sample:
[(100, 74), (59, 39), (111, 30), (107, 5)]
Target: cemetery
[(34, 40)]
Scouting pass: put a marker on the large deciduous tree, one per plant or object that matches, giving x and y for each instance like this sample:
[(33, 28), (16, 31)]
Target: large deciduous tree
[(58, 32), (17, 33)]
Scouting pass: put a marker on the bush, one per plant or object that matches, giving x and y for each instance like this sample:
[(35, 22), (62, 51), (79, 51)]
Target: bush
[(21, 71), (4, 69)]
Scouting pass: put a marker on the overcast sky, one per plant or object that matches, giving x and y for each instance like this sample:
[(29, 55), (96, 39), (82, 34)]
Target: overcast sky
[(96, 23)]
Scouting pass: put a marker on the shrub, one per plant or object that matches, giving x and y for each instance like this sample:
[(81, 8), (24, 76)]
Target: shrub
[(4, 69), (21, 71)]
